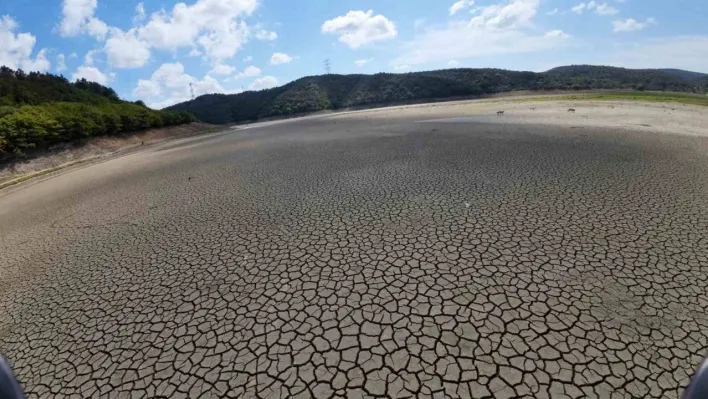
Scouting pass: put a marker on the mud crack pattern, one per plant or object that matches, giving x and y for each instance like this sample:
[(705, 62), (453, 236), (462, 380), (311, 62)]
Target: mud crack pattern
[(349, 257)]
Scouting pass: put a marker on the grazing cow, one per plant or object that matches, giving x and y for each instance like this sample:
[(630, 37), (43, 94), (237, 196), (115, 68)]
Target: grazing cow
[(500, 113), (571, 109)]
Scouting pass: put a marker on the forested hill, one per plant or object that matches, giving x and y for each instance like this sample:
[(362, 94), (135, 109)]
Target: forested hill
[(37, 110), (316, 93)]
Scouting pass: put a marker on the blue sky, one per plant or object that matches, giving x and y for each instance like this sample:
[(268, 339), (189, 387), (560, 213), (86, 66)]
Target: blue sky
[(154, 49)]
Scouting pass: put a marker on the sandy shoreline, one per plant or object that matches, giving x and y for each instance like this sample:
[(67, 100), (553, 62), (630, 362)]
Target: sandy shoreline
[(640, 116)]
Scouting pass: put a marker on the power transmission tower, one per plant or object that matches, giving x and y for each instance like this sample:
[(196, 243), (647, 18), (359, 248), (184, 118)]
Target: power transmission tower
[(327, 67), (191, 89)]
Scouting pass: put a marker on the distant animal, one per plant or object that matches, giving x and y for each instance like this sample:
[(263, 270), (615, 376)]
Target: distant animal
[(612, 106), (533, 108), (571, 109), (500, 113)]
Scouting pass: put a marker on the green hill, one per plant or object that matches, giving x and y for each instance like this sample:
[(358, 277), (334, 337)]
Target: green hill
[(314, 93), (38, 110)]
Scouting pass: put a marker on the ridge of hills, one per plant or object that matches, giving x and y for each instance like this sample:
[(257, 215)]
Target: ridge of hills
[(324, 92)]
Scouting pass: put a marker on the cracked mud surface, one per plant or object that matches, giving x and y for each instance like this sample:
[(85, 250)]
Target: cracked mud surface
[(352, 256)]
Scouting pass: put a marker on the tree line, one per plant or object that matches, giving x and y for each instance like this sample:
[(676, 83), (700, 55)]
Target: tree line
[(314, 93), (39, 109)]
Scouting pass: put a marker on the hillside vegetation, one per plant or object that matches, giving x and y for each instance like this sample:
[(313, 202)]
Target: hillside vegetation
[(315, 93), (37, 110)]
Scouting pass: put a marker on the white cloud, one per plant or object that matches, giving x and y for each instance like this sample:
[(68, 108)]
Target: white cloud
[(172, 76), (600, 9), (139, 13), (682, 52), (212, 24), (39, 63), (401, 67), (266, 35), (358, 28), (631, 25), (265, 82), (88, 58), (515, 14), (460, 5), (250, 71), (91, 74), (173, 85), (553, 12), (453, 63), (280, 58), (222, 69), (97, 28), (16, 48), (605, 9), (61, 63), (557, 33), (77, 18), (579, 8), (147, 88), (247, 59), (497, 30), (126, 50), (363, 62)]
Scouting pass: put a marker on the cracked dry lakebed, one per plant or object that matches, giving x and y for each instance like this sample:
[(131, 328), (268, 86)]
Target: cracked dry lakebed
[(388, 253)]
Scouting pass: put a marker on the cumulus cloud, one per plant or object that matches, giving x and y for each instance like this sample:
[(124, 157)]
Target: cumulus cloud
[(460, 5), (280, 58), (579, 9), (61, 62), (97, 28), (214, 25), (363, 62), (600, 9), (91, 74), (16, 48), (250, 71), (631, 25), (498, 29), (139, 13), (265, 82), (147, 89), (358, 28), (77, 18), (605, 9), (557, 33), (553, 12), (169, 85), (263, 34), (126, 50), (39, 63), (222, 69), (247, 59), (88, 58)]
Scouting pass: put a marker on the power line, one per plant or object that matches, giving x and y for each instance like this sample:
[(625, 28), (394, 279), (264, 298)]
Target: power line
[(327, 67)]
